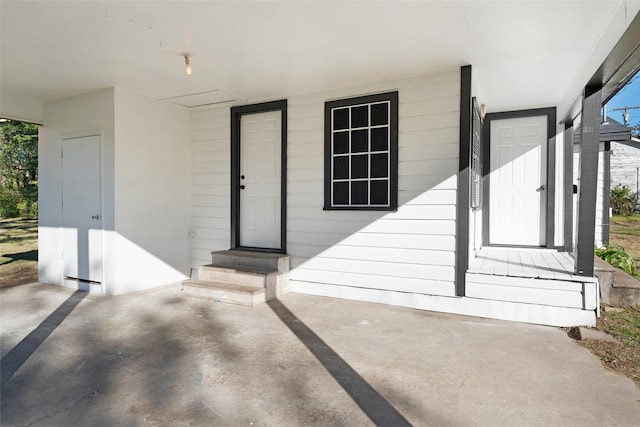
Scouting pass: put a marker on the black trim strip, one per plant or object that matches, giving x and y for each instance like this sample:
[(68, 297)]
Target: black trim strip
[(463, 193), (550, 112), (589, 147), (236, 115)]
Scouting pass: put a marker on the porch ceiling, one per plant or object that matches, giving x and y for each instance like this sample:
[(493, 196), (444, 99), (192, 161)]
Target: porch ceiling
[(524, 54)]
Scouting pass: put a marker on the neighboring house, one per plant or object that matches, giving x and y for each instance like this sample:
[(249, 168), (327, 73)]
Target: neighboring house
[(614, 160), (625, 164), (356, 141)]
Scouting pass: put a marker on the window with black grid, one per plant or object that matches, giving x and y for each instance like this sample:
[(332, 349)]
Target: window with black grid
[(361, 152)]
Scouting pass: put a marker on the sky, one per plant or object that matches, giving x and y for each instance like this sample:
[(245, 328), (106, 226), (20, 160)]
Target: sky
[(629, 96)]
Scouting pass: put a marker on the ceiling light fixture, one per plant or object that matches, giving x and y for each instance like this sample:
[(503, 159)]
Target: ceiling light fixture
[(187, 64)]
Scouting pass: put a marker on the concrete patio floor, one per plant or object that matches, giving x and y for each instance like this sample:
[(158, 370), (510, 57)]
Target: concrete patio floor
[(160, 358)]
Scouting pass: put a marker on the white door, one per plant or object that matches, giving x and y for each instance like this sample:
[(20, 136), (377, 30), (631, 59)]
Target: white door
[(517, 181), (260, 179), (82, 209)]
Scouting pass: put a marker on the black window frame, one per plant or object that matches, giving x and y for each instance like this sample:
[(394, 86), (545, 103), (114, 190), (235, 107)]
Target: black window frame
[(392, 170)]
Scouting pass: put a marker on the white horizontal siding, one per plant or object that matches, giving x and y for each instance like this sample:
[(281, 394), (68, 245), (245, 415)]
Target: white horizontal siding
[(599, 191), (411, 250), (210, 182), (559, 293), (625, 165), (506, 310), (357, 282)]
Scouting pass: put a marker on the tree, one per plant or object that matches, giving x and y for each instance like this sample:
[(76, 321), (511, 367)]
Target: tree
[(18, 169)]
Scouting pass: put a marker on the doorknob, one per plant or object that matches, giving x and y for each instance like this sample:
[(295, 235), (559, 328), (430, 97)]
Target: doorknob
[(541, 188), (96, 217), (241, 176)]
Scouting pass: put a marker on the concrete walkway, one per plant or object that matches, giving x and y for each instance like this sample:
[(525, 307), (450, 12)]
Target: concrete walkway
[(159, 358)]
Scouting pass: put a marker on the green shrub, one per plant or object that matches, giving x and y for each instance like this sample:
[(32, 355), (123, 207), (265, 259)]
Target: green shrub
[(13, 204), (623, 201), (9, 200), (616, 256)]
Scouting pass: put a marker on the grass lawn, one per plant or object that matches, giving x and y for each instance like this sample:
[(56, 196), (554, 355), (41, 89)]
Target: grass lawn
[(625, 231), (18, 251), (622, 324), (623, 356)]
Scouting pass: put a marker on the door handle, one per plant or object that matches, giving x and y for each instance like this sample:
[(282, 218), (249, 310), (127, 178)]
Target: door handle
[(242, 187), (541, 188), (96, 217)]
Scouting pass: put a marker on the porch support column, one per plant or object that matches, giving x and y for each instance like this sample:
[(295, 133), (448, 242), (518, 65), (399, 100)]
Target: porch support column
[(464, 165), (589, 145), (568, 187)]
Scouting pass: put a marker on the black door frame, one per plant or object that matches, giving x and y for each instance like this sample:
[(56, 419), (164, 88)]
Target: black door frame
[(550, 201), (236, 116)]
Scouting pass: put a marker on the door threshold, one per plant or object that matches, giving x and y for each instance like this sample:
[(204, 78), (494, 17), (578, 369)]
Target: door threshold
[(264, 250), (76, 279)]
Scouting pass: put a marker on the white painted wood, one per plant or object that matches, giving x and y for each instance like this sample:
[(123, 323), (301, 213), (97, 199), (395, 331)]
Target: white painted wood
[(599, 192), (260, 158), (531, 276), (386, 240), (504, 310), (421, 233), (534, 263), (525, 282), (559, 298), (434, 197), (404, 258), (395, 255), (82, 251), (518, 172), (445, 227), (388, 269), (591, 296), (210, 141), (559, 190), (356, 281)]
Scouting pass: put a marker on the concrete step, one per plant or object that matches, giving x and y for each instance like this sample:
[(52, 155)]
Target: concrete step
[(266, 260), (242, 274), (241, 277), (233, 293)]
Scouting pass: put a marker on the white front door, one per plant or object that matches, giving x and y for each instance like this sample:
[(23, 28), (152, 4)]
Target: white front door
[(260, 179), (82, 209), (517, 181)]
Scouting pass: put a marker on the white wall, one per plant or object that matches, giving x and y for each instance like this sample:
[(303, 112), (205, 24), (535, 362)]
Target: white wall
[(152, 200), (346, 253), (210, 181), (599, 192), (86, 114), (145, 187)]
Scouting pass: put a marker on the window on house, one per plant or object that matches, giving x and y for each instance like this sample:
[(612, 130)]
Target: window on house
[(361, 153), (476, 158)]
